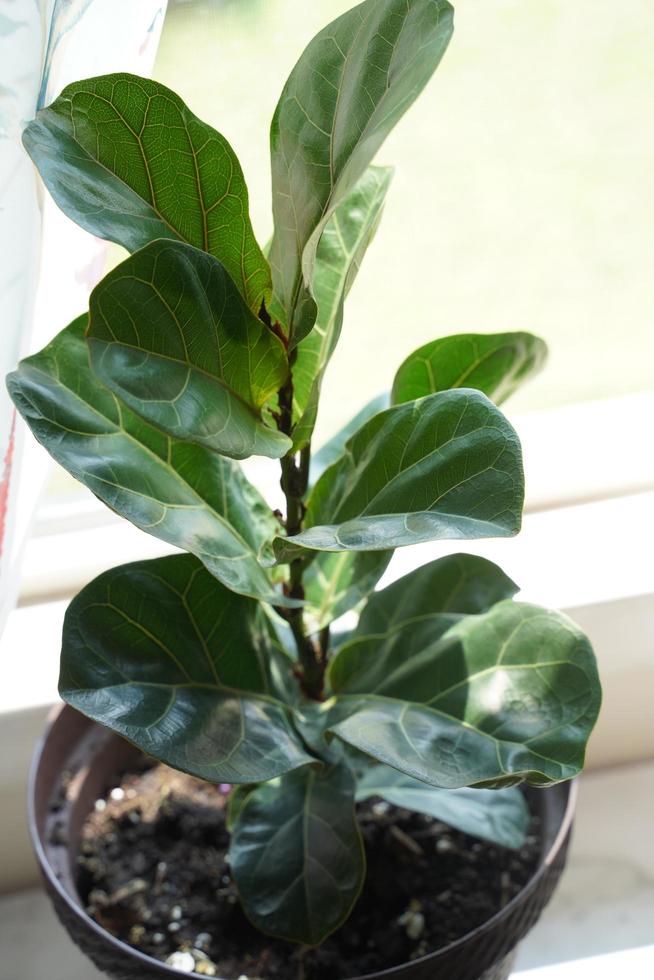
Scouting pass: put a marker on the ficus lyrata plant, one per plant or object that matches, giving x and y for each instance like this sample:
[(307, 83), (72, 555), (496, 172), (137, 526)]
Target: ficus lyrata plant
[(201, 349)]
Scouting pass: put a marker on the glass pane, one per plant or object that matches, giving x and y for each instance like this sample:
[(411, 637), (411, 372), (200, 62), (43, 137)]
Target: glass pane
[(522, 196), (521, 199)]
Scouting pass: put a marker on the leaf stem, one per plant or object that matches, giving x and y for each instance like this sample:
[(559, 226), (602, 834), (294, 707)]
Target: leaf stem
[(294, 483)]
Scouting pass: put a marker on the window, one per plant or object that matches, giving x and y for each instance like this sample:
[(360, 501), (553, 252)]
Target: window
[(521, 201), (514, 206)]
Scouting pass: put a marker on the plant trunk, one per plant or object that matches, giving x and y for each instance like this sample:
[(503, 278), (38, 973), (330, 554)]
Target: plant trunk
[(294, 483)]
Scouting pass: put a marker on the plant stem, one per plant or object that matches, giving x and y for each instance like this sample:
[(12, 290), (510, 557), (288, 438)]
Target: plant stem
[(294, 483), (323, 638)]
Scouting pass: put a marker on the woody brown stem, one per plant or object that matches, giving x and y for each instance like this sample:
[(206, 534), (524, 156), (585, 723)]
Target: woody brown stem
[(294, 483)]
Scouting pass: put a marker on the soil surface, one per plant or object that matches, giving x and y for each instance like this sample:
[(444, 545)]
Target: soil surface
[(154, 871)]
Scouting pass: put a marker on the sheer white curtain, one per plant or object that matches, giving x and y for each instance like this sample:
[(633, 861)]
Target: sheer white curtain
[(47, 265)]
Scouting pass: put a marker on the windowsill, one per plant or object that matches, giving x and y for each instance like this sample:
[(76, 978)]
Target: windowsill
[(633, 963), (586, 451), (591, 560), (574, 455)]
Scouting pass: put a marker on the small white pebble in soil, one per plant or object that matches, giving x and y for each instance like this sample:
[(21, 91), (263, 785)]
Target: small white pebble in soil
[(415, 926), (176, 912), (413, 920), (98, 897), (444, 845), (380, 809), (206, 968), (183, 962), (203, 940), (174, 927), (117, 794), (100, 805), (158, 938)]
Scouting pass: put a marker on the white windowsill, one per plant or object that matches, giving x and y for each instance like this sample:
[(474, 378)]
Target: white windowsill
[(635, 964), (592, 560), (575, 454)]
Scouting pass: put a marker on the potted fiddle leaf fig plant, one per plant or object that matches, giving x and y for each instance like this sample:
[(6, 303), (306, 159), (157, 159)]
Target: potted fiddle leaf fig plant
[(416, 732)]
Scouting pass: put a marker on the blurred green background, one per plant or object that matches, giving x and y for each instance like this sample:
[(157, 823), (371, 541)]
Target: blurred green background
[(522, 197)]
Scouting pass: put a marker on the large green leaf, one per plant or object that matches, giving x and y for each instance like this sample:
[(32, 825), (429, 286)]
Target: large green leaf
[(497, 815), (445, 466), (297, 854), (170, 334), (429, 599), (127, 160), (237, 797), (162, 654), (381, 663), (340, 252), (454, 584), (179, 492), (496, 364), (352, 84), (336, 582), (507, 695)]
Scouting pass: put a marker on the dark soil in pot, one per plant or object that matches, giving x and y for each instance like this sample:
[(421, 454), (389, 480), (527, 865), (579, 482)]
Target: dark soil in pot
[(153, 870)]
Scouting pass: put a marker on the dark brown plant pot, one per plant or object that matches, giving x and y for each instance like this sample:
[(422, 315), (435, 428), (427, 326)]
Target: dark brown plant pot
[(93, 757)]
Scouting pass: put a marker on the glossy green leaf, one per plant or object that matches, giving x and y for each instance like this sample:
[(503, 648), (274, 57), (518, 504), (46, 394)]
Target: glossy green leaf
[(352, 84), (314, 721), (340, 252), (329, 453), (179, 492), (507, 695), (235, 802), (170, 334), (162, 654), (336, 582), (129, 162), (497, 815), (387, 663), (496, 364), (454, 584), (297, 855), (445, 466)]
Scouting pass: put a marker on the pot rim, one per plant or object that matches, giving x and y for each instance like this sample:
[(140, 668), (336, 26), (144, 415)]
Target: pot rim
[(150, 961)]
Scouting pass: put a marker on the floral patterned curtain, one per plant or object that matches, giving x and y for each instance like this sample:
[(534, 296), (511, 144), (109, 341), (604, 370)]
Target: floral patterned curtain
[(47, 265)]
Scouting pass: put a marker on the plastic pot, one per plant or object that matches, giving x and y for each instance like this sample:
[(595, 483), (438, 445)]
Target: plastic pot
[(93, 758)]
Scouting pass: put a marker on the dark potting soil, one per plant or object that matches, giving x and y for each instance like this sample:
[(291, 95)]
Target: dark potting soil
[(154, 871)]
